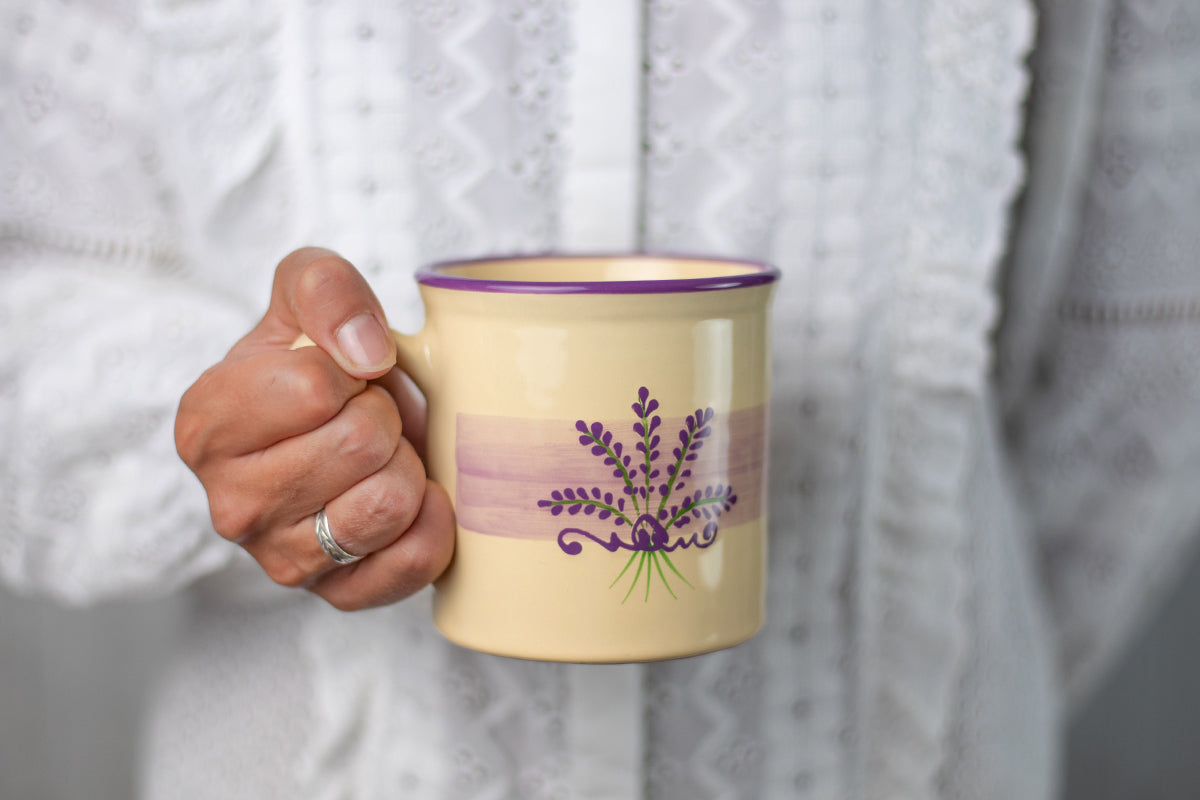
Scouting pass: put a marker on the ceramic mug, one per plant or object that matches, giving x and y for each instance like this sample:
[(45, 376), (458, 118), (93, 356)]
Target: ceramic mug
[(600, 423)]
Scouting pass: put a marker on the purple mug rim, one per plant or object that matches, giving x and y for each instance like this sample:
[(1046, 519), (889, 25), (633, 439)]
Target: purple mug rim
[(758, 274)]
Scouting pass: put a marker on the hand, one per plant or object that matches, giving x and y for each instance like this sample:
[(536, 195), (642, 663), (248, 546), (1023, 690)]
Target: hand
[(274, 434)]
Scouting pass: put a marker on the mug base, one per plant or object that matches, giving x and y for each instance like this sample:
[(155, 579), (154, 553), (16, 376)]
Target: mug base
[(633, 653)]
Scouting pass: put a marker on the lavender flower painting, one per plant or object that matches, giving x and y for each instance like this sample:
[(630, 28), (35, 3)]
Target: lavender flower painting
[(649, 500)]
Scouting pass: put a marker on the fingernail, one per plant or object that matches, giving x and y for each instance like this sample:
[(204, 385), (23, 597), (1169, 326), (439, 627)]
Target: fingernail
[(363, 342)]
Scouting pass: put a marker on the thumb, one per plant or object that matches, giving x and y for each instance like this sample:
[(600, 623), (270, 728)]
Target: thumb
[(321, 295)]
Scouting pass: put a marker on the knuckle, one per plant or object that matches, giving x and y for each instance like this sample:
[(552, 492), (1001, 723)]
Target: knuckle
[(363, 445), (192, 426), (426, 563), (366, 439), (189, 438), (440, 545), (314, 390), (232, 518), (396, 503), (390, 508), (285, 573)]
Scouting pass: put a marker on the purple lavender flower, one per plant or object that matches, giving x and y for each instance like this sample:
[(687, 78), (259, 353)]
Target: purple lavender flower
[(649, 514)]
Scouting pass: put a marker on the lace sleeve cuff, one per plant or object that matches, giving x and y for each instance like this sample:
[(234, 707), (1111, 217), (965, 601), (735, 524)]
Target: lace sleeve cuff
[(95, 501)]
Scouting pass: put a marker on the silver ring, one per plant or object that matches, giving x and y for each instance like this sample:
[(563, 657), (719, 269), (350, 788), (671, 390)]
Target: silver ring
[(331, 548)]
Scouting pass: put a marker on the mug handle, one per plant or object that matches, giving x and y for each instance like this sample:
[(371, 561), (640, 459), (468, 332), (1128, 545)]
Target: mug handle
[(413, 356)]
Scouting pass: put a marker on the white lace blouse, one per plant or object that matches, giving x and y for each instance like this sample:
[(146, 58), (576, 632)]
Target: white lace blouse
[(985, 435)]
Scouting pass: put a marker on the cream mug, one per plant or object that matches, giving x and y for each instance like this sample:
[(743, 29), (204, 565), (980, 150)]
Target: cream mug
[(600, 423)]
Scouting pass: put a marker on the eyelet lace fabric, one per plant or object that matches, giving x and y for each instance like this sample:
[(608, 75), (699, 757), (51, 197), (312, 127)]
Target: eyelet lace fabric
[(934, 576)]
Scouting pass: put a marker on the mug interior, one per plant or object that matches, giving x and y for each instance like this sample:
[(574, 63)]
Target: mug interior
[(600, 274)]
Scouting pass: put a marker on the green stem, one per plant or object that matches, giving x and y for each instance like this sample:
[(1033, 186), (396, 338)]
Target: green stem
[(653, 560), (624, 472), (674, 474), (636, 575), (687, 507), (662, 576), (632, 556), (646, 444), (667, 559)]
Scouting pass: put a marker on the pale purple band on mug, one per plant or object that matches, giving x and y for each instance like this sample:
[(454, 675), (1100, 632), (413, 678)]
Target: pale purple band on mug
[(756, 274), (507, 465)]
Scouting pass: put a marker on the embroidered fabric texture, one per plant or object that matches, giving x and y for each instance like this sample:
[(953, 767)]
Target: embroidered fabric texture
[(174, 151), (1108, 454)]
